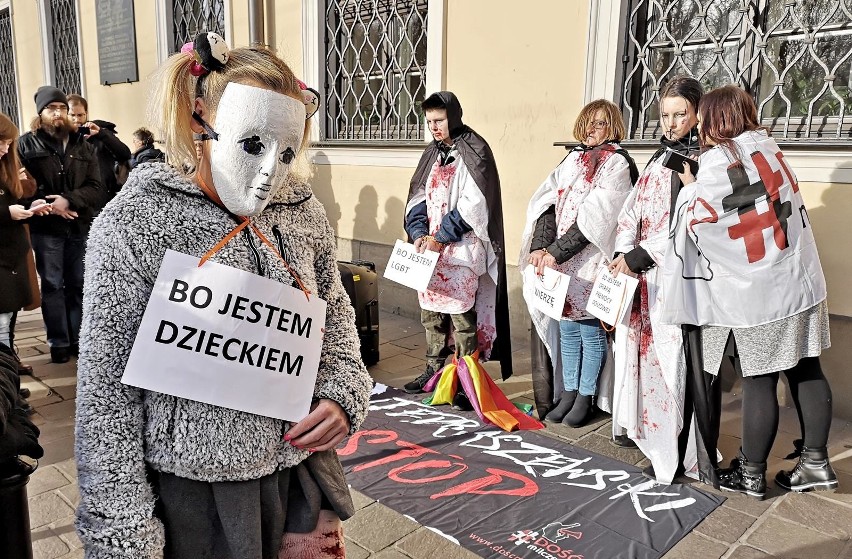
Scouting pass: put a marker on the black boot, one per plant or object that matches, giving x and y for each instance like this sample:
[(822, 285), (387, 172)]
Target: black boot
[(60, 354), (744, 477), (812, 473), (581, 412), (461, 402), (566, 402), (416, 385)]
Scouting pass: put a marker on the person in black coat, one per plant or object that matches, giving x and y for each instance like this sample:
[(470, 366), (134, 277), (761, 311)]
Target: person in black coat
[(101, 134), (143, 148), (68, 177)]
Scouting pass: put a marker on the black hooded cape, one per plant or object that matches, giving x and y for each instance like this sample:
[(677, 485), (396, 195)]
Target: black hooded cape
[(479, 160)]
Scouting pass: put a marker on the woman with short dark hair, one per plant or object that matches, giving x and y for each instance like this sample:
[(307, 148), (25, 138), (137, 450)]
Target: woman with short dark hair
[(744, 266)]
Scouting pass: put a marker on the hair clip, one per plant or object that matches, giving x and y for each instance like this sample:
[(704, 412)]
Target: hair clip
[(209, 51), (311, 98)]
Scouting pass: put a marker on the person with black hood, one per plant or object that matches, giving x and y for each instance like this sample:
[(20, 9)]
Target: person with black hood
[(101, 134), (454, 207)]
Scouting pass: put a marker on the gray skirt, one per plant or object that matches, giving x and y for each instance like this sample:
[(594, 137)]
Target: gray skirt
[(248, 519), (772, 347)]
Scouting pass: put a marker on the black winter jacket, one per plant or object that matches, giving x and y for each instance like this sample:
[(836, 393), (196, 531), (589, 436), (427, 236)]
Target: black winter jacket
[(73, 174), (110, 151), (146, 154), (14, 245)]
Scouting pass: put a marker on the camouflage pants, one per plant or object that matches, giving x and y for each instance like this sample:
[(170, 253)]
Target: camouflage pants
[(438, 327)]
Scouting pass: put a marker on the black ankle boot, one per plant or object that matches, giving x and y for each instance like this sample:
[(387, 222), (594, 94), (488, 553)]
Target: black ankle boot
[(812, 473), (744, 477), (461, 402), (580, 413), (416, 385), (566, 402)]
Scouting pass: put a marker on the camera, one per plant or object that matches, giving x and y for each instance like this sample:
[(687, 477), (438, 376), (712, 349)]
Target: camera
[(674, 161), (84, 130)]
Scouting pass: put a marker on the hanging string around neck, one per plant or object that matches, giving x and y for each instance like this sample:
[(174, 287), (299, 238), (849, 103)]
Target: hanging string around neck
[(244, 222)]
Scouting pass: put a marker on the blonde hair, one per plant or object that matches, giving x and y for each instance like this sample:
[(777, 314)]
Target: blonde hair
[(172, 100), (615, 122), (9, 165)]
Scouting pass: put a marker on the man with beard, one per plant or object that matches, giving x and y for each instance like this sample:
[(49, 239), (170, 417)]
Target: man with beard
[(101, 134), (65, 168)]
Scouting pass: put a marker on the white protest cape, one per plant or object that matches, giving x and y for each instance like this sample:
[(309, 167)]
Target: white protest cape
[(743, 252), (650, 369), (588, 191)]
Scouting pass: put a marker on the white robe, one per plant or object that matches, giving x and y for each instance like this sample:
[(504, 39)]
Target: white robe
[(650, 369), (741, 256), (466, 273), (589, 192)]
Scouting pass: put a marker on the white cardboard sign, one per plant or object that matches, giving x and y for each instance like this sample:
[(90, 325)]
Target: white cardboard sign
[(611, 296), (230, 338), (548, 291), (410, 268)]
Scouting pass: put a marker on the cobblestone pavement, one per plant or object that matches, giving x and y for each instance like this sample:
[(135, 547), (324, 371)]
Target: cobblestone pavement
[(811, 526)]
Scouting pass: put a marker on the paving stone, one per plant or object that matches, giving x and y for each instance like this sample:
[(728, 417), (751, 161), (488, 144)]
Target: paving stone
[(376, 526), (76, 554), (740, 502), (355, 551), (402, 361), (44, 479), (69, 468), (61, 411), (49, 397), (65, 530), (47, 544), (746, 552), (360, 500), (47, 508), (786, 539), (38, 389), (389, 553), (414, 341), (51, 431), (33, 350), (57, 451), (725, 524), (389, 350), (426, 544), (843, 494), (694, 546), (71, 493), (810, 510), (599, 444)]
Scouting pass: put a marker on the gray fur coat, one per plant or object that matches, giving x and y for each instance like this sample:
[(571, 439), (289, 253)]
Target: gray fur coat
[(120, 428)]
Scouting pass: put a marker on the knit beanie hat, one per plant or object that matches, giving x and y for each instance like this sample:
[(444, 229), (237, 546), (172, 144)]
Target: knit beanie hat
[(48, 94)]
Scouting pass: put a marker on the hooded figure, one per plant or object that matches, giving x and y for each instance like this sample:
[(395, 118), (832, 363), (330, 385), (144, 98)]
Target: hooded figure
[(454, 201)]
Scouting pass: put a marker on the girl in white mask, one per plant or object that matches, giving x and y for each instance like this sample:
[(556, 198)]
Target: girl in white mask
[(226, 483)]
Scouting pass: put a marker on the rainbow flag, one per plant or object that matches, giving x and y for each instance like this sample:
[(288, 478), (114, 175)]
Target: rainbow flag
[(488, 401)]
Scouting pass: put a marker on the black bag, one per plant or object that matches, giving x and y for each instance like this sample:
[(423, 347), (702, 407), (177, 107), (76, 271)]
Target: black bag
[(361, 283)]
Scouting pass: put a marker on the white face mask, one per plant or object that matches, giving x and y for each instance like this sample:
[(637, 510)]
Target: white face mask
[(260, 132)]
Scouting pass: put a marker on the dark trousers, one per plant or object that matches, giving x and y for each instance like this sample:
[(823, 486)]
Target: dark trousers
[(59, 261)]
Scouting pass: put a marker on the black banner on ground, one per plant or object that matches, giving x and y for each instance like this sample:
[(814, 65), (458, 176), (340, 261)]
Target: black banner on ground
[(518, 495)]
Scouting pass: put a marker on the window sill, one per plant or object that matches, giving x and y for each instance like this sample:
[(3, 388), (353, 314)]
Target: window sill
[(370, 155), (811, 163)]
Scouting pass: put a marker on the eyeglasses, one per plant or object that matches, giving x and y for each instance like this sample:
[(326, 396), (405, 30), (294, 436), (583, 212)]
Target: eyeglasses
[(56, 109), (599, 124)]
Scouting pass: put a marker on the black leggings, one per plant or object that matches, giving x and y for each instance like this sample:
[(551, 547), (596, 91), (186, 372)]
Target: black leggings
[(811, 395)]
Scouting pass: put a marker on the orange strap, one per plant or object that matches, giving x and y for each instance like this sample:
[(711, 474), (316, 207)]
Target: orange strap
[(245, 221)]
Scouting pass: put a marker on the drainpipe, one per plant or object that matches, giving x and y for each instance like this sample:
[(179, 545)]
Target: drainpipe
[(256, 36)]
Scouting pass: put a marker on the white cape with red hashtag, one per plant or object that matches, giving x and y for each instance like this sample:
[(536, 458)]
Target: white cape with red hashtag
[(731, 262)]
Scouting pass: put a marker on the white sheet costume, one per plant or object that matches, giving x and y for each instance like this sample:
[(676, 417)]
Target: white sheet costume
[(743, 252), (588, 187), (466, 272), (650, 369)]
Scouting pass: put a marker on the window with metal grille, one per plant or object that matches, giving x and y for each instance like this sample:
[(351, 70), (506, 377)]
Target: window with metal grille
[(375, 80), (191, 17), (8, 84), (66, 55), (793, 56)]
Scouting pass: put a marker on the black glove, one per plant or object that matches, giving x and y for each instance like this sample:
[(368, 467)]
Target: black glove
[(20, 437)]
